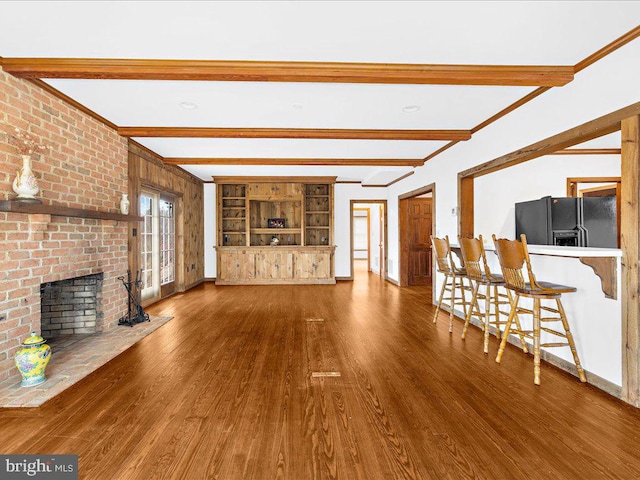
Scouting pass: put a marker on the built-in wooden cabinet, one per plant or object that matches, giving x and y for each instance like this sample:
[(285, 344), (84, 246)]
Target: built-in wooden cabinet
[(275, 231)]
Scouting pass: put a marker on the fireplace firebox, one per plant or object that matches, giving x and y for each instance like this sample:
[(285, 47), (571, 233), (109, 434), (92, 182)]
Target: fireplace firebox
[(72, 306)]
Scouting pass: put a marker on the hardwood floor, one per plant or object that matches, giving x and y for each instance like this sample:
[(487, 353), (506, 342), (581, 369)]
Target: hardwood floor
[(226, 391)]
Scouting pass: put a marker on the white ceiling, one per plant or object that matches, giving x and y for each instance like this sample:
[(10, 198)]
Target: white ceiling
[(517, 33)]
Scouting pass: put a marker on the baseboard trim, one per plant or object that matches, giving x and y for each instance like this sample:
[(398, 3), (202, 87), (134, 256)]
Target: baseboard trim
[(344, 279), (209, 279), (392, 281), (592, 379)]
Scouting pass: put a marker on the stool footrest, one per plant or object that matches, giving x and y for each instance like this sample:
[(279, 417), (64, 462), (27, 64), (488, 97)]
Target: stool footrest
[(554, 332), (549, 309)]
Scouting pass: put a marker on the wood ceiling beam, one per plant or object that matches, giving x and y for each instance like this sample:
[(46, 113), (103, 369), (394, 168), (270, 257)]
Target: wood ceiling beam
[(315, 133), (367, 162), (607, 49), (252, 71)]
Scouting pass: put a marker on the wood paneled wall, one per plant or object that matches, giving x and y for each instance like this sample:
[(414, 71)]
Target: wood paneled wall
[(146, 170)]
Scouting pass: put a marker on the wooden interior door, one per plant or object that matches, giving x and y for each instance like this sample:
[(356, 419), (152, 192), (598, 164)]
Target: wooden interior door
[(420, 211)]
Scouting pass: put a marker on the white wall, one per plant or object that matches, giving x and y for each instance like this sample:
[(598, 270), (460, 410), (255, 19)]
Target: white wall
[(209, 230)]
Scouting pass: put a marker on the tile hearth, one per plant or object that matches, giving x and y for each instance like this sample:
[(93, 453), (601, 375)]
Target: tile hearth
[(75, 357)]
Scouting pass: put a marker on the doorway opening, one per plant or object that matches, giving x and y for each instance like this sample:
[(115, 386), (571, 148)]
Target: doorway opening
[(369, 236), (416, 214), (597, 187)]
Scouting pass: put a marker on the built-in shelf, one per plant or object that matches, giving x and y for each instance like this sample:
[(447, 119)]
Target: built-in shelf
[(62, 211), (275, 230)]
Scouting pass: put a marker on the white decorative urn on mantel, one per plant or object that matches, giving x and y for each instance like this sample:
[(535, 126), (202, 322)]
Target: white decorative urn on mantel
[(124, 204), (25, 184)]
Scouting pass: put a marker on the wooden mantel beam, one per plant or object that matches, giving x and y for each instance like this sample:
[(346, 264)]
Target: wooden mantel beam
[(256, 71), (380, 162), (315, 133)]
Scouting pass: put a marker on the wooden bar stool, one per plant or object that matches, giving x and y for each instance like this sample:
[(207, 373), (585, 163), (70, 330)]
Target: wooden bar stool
[(479, 273), (454, 277), (513, 255)]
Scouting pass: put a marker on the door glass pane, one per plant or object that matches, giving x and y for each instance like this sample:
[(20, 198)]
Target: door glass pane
[(148, 244), (167, 264)]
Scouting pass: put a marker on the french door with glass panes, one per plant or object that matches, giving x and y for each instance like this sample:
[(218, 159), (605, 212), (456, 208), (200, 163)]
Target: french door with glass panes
[(157, 245)]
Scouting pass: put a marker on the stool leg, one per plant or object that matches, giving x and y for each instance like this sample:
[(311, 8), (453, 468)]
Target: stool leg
[(518, 326), (572, 345), (496, 307), (487, 316), (453, 296), (442, 290), (536, 341), (505, 335), (462, 295), (470, 312)]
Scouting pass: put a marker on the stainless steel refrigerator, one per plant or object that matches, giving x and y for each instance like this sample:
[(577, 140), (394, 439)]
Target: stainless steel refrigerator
[(568, 221)]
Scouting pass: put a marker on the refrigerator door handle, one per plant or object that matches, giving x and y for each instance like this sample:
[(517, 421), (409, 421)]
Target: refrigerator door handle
[(583, 233)]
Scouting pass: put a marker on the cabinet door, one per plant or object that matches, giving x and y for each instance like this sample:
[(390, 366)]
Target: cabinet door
[(276, 265), (313, 265), (237, 265)]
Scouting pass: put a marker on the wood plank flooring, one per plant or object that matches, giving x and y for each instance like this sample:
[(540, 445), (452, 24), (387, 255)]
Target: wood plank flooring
[(226, 391)]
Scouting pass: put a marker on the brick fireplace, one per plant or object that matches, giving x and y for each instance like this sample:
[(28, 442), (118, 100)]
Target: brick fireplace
[(85, 168)]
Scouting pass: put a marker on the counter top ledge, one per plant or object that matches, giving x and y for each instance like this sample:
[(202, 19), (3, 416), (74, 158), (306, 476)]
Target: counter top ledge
[(557, 251), (573, 251), (601, 260)]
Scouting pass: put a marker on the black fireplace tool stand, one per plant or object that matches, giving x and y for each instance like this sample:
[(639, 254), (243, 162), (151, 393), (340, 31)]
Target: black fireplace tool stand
[(135, 312)]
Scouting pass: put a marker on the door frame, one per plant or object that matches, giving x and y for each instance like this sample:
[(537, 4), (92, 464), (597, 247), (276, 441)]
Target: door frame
[(383, 262), (403, 237), (368, 217), (134, 256)]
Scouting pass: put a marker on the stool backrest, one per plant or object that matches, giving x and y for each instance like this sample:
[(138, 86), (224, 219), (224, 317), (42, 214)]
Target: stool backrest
[(475, 259), (444, 260), (513, 256)]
